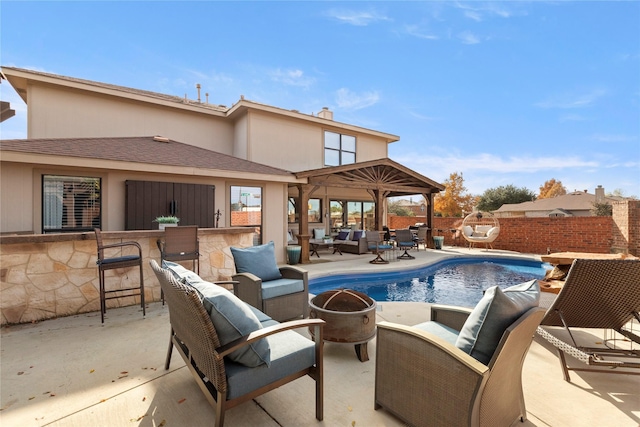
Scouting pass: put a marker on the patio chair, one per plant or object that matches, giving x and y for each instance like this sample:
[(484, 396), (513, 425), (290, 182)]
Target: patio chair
[(602, 295), (421, 237), (180, 244), (376, 245), (404, 241), (282, 293), (219, 337), (426, 377), (121, 261)]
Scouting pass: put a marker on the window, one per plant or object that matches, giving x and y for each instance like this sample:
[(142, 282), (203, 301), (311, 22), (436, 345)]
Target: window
[(358, 215), (70, 203), (314, 210), (339, 149), (246, 209)]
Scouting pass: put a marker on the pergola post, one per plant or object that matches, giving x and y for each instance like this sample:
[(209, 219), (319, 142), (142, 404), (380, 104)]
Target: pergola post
[(304, 191), (429, 217)]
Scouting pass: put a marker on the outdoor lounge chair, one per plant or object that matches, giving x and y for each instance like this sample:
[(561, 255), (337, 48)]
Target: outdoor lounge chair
[(426, 377), (221, 353), (282, 293), (404, 241), (598, 294)]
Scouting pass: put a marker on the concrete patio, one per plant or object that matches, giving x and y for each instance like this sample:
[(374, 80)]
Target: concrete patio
[(73, 371)]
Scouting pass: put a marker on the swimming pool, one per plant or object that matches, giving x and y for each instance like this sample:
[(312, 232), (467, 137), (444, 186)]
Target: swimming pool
[(455, 281)]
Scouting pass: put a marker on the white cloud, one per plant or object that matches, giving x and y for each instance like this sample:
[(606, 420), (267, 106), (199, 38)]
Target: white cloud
[(473, 15), (291, 77), (357, 18), (467, 37), (491, 163), (572, 101), (352, 101), (416, 31), (572, 118)]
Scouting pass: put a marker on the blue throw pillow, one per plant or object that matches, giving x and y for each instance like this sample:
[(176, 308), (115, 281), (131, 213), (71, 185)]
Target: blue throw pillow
[(179, 272), (232, 319), (496, 311), (357, 234), (259, 260), (343, 235)]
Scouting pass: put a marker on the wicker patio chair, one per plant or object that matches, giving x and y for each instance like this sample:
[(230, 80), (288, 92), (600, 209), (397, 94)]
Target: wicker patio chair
[(132, 259), (180, 244), (427, 381), (225, 383), (480, 227), (282, 293), (602, 295)]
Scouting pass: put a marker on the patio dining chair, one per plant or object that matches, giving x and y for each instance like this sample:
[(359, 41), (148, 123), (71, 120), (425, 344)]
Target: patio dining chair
[(404, 241), (178, 245), (131, 259), (377, 245)]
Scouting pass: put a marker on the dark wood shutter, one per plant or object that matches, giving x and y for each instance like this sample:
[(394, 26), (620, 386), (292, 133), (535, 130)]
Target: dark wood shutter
[(194, 204)]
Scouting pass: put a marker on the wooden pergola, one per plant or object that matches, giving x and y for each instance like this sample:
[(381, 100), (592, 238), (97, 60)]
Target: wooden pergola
[(381, 178)]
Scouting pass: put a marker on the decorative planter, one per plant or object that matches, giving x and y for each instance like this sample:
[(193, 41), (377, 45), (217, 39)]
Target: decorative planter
[(162, 226)]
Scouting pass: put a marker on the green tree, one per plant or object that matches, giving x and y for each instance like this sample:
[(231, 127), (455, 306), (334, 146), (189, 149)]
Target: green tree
[(602, 209), (551, 188), (396, 208), (453, 200), (493, 198)]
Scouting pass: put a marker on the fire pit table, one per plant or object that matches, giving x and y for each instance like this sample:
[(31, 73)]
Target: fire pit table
[(350, 317)]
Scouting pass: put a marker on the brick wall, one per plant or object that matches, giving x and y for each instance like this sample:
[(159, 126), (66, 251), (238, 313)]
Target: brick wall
[(619, 233)]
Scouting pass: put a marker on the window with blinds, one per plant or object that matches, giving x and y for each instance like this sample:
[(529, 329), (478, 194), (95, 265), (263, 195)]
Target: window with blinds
[(70, 203)]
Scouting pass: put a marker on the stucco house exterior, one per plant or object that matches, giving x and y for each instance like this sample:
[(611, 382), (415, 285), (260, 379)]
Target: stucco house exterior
[(103, 155), (577, 203)]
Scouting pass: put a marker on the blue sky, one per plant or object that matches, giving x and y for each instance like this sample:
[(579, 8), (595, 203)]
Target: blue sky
[(508, 92)]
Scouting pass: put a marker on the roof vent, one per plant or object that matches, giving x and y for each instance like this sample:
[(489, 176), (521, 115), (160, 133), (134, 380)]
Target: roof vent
[(161, 138)]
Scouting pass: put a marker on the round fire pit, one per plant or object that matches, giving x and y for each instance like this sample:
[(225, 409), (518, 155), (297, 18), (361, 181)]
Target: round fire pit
[(350, 317)]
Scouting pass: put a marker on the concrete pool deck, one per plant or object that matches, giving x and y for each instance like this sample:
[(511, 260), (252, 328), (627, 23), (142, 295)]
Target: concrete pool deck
[(74, 372)]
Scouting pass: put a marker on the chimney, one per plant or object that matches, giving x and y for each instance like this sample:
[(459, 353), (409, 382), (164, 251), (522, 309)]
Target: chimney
[(599, 194), (198, 87), (326, 114)]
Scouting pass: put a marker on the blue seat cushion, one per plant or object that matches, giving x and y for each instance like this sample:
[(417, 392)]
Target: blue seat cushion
[(496, 311), (277, 288), (448, 334), (119, 259), (259, 260), (290, 353)]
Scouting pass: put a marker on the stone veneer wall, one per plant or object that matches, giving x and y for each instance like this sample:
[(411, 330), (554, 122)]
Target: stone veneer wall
[(50, 275)]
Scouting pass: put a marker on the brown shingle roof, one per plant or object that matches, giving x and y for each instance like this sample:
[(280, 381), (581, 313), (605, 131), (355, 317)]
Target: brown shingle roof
[(143, 149)]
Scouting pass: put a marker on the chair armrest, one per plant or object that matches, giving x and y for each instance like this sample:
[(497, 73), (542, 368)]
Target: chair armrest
[(291, 272), (449, 315), (265, 332), (248, 287), (418, 373), (119, 245)]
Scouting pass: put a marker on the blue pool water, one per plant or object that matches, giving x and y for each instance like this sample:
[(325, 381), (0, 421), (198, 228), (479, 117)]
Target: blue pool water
[(457, 281)]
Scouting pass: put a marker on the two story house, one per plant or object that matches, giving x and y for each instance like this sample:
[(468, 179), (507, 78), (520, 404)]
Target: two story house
[(98, 154)]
